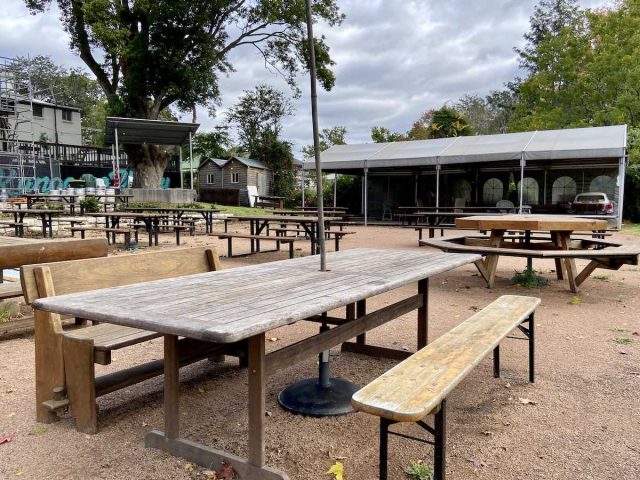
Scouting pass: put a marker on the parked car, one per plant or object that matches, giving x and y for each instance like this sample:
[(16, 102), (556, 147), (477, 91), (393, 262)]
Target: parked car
[(591, 203)]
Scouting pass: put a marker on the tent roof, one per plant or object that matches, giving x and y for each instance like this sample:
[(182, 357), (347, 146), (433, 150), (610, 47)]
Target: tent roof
[(574, 143), (137, 131)]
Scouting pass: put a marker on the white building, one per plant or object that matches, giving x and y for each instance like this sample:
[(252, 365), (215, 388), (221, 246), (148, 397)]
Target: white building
[(49, 123)]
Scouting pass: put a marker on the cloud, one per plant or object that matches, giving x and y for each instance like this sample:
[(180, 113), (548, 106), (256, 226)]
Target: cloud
[(395, 59)]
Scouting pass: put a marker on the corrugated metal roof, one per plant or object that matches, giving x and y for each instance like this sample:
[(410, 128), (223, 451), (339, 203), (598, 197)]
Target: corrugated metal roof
[(573, 143), (252, 163), (137, 131)]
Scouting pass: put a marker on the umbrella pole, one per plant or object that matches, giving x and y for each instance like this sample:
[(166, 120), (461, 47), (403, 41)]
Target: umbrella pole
[(316, 139)]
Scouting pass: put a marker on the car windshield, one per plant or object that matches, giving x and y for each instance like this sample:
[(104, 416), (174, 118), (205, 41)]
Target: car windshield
[(590, 198)]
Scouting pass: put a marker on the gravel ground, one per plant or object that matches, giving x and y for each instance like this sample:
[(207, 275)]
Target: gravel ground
[(582, 421)]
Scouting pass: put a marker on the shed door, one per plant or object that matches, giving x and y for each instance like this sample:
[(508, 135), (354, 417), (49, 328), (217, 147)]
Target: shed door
[(262, 184)]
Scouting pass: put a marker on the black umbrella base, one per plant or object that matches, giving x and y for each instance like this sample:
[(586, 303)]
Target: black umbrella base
[(307, 398)]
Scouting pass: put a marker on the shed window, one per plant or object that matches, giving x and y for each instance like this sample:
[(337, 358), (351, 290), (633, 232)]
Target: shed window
[(492, 191), (37, 111), (210, 178), (531, 191), (564, 190), (235, 177), (67, 115)]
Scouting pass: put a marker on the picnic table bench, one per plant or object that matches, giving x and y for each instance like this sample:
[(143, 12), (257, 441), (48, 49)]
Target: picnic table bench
[(257, 239), (110, 233), (419, 386), (337, 235), (65, 372)]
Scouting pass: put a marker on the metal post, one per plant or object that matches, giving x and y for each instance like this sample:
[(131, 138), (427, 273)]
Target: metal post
[(335, 189), (191, 158), (621, 174), (437, 186), (180, 169), (116, 166), (366, 195), (522, 163), (302, 186), (316, 137), (415, 190)]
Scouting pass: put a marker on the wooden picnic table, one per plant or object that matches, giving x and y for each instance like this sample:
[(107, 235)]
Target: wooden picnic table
[(232, 305), (329, 211), (260, 223), (206, 213), (272, 201), (150, 220), (560, 228), (68, 198), (46, 218)]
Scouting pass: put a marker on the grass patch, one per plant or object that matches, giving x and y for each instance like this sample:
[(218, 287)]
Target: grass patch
[(603, 278), (622, 341), (618, 329), (7, 310), (631, 228), (242, 210), (419, 471), (227, 209), (38, 430), (528, 279), (575, 300)]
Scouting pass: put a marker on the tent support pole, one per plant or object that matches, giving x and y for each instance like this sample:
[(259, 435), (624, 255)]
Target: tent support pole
[(522, 162), (116, 165), (437, 186), (335, 189), (302, 186), (365, 196), (621, 172), (415, 189), (191, 158), (181, 175)]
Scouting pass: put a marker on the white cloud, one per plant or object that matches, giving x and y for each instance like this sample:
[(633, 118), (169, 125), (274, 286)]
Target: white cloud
[(395, 59)]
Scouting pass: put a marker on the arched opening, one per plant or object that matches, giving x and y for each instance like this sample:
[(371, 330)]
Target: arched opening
[(462, 189), (605, 184), (530, 192), (564, 190), (492, 191)]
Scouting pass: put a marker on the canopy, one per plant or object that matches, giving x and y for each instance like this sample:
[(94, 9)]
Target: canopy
[(137, 131), (573, 143)]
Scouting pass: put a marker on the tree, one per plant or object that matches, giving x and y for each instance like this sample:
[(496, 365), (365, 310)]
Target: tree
[(211, 144), (384, 135), (328, 138), (148, 56), (72, 87), (447, 122)]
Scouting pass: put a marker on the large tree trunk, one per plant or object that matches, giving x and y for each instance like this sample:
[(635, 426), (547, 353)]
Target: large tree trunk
[(148, 163)]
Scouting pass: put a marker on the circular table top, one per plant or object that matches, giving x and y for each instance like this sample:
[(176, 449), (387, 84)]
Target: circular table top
[(531, 222)]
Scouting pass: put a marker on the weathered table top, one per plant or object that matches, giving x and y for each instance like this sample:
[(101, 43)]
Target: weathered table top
[(231, 305), (126, 215), (531, 222), (282, 218)]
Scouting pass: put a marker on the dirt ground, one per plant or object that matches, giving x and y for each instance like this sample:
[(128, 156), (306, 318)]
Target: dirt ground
[(582, 420)]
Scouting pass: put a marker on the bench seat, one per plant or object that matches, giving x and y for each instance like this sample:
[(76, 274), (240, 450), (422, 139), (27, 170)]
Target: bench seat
[(10, 290), (418, 386), (257, 239)]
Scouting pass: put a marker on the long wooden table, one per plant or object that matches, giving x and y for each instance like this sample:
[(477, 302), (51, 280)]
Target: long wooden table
[(232, 305), (260, 223), (560, 228), (46, 218), (206, 213)]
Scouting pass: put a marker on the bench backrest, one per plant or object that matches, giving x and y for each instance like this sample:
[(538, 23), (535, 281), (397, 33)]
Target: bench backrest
[(15, 256), (91, 274)]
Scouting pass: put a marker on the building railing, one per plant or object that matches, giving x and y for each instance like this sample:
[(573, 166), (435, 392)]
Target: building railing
[(74, 155)]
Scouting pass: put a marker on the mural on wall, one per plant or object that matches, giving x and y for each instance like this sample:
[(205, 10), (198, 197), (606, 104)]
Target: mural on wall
[(10, 180)]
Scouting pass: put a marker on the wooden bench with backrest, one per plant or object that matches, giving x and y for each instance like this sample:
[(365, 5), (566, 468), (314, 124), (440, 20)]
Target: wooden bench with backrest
[(419, 386), (257, 238), (15, 256), (65, 370)]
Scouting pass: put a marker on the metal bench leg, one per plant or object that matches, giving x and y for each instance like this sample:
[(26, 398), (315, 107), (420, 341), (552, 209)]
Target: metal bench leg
[(384, 447), (496, 362), (337, 239), (290, 249), (532, 350), (177, 236), (440, 444), (229, 247)]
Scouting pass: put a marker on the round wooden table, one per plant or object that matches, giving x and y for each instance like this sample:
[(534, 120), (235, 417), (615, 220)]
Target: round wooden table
[(560, 228)]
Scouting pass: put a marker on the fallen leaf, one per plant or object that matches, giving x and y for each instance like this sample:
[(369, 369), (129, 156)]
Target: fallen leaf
[(474, 308), (268, 413), (507, 385), (477, 463), (526, 401), (11, 390), (337, 470), (637, 334), (6, 438), (145, 424), (201, 390), (273, 339), (226, 472), (210, 474), (12, 414), (487, 433), (188, 467)]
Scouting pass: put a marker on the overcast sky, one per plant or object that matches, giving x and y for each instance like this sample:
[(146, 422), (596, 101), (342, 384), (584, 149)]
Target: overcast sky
[(395, 59)]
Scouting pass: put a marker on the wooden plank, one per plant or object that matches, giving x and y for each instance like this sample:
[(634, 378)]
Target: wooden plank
[(415, 387), (375, 351), (17, 254), (531, 222), (257, 375), (296, 352), (10, 290)]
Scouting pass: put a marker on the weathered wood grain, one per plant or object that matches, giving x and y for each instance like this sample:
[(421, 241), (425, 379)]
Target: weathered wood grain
[(415, 387), (223, 306), (531, 222)]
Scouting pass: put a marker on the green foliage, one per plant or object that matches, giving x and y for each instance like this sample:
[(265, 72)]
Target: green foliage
[(445, 122), (210, 144), (632, 193), (90, 205), (419, 471), (384, 135), (622, 341), (144, 205), (528, 279), (488, 115), (328, 138), (49, 205)]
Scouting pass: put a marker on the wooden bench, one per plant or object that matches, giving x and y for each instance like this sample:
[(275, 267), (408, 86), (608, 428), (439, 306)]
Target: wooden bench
[(110, 233), (18, 227), (335, 234), (257, 239), (418, 386), (65, 371)]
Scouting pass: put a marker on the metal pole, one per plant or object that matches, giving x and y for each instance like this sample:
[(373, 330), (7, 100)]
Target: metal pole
[(335, 189), (302, 186), (116, 166), (415, 190), (366, 195), (191, 158), (437, 186), (621, 174), (180, 169), (522, 162), (316, 137)]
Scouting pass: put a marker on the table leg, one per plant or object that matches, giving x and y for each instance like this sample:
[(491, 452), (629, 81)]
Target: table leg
[(171, 387), (252, 230), (559, 264), (43, 219), (50, 219), (569, 263), (489, 265), (256, 399), (423, 314), (361, 308)]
